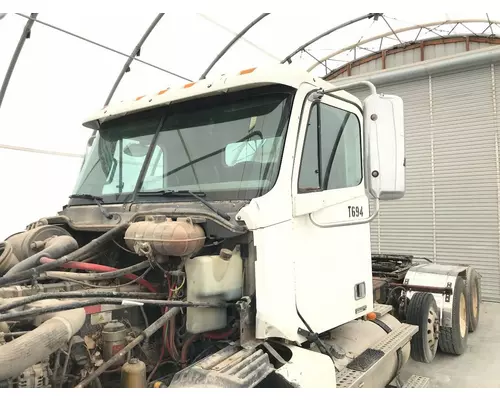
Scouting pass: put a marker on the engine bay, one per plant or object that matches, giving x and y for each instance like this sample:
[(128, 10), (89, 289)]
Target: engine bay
[(130, 307)]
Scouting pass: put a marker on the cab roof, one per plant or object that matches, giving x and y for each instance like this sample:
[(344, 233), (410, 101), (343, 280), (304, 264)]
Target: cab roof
[(254, 77)]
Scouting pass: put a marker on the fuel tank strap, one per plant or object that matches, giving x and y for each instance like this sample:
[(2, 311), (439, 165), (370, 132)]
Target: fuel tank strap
[(382, 324)]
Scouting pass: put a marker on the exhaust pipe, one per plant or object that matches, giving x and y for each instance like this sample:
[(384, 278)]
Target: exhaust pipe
[(53, 332)]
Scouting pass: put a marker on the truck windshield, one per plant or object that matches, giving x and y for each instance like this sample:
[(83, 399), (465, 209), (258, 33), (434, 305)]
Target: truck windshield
[(227, 146)]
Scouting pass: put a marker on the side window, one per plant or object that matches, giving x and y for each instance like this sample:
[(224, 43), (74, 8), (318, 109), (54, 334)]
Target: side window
[(331, 158), (309, 175)]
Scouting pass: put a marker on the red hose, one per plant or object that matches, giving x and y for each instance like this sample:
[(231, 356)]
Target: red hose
[(219, 335), (175, 353), (185, 349), (162, 353), (100, 268), (166, 340)]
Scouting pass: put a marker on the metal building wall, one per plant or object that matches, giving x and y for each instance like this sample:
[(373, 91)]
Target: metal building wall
[(451, 211)]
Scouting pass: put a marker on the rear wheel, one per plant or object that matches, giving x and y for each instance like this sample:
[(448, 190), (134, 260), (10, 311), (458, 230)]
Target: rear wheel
[(473, 298), (423, 312), (453, 340)]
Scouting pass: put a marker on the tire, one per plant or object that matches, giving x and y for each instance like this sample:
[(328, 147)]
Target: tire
[(454, 340), (473, 289), (423, 312)]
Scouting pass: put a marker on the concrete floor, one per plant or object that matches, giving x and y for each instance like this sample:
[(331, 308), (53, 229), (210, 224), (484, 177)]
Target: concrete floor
[(478, 367)]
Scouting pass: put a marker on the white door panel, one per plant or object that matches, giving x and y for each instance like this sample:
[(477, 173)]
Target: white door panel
[(330, 263), (333, 205)]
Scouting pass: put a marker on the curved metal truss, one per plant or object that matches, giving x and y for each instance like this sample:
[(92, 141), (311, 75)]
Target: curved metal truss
[(232, 42), (403, 37), (134, 55), (439, 29), (24, 35)]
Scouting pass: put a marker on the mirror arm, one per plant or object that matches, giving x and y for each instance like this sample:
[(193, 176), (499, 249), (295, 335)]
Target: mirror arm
[(348, 223), (371, 86), (317, 96)]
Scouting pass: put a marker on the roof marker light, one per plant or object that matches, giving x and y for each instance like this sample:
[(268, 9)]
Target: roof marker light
[(163, 91), (247, 71), (138, 98), (188, 85)]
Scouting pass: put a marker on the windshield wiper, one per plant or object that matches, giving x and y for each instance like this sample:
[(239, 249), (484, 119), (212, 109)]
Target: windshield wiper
[(98, 200), (196, 195)]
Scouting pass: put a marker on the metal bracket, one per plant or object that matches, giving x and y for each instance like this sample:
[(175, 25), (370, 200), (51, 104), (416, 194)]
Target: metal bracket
[(310, 336), (247, 327), (447, 297), (315, 96), (274, 353)]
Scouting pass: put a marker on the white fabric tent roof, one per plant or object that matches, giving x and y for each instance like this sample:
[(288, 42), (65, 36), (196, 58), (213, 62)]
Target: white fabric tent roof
[(59, 79)]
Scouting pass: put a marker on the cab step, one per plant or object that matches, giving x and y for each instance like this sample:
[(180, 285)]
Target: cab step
[(417, 381), (381, 309), (362, 367)]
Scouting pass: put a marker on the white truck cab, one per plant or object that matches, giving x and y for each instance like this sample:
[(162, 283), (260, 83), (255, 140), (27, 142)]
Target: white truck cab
[(327, 156)]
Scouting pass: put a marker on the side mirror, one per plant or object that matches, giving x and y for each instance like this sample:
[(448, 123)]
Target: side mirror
[(385, 146)]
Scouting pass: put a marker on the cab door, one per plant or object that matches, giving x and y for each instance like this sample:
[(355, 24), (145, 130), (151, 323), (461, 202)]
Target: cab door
[(332, 258)]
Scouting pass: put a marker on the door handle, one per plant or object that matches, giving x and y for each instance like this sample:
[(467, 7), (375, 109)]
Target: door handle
[(359, 291)]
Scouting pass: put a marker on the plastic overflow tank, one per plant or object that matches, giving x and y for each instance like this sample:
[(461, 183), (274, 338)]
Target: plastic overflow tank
[(212, 278)]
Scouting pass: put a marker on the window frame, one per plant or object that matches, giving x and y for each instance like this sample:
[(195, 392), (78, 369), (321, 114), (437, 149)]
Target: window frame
[(316, 106)]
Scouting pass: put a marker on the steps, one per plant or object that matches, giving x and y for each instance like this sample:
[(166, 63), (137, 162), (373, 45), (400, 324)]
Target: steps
[(417, 381), (355, 373), (381, 309)]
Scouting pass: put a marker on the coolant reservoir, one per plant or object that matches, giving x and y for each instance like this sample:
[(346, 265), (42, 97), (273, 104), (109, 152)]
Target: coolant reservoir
[(212, 278)]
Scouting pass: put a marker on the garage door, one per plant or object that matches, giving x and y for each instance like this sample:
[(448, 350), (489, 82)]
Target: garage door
[(451, 209)]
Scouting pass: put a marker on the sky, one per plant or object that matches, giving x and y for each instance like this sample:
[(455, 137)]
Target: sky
[(59, 80)]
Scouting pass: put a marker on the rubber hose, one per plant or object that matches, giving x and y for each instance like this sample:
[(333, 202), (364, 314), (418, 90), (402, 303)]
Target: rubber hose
[(35, 346), (16, 302), (56, 247), (63, 306), (100, 268), (185, 349), (99, 241), (78, 276), (92, 246), (220, 335)]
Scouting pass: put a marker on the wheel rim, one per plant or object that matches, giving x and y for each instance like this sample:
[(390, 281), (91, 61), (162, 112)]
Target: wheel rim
[(432, 329), (463, 315), (475, 301)]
